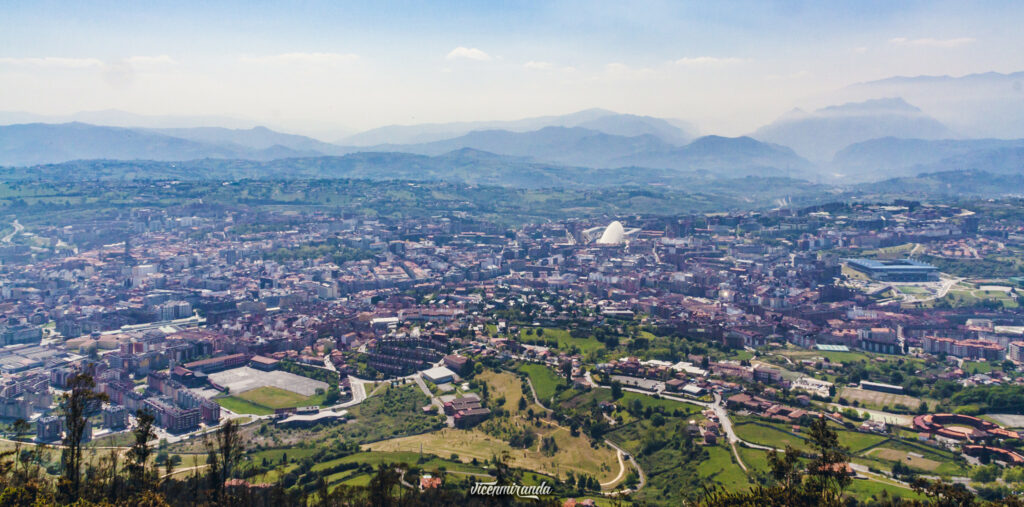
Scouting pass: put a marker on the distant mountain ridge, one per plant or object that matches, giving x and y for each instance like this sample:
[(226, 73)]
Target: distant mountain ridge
[(891, 157), (44, 143), (600, 120), (35, 144), (983, 105), (818, 135)]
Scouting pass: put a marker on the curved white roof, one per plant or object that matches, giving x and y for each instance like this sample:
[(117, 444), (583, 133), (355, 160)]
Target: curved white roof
[(613, 234)]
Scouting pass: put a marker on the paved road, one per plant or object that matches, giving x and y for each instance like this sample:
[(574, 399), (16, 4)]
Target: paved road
[(450, 421), (17, 229)]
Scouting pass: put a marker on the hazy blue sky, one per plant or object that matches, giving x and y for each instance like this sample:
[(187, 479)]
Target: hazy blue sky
[(324, 67)]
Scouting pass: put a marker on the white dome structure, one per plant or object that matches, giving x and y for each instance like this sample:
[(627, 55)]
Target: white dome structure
[(613, 234)]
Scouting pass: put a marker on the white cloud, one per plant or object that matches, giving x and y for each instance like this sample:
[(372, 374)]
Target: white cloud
[(698, 61), (302, 59), (53, 62), (468, 53), (150, 60), (538, 65), (933, 43)]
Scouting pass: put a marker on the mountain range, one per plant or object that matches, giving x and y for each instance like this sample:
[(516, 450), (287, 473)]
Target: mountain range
[(38, 143), (818, 135), (861, 141), (984, 105), (601, 120)]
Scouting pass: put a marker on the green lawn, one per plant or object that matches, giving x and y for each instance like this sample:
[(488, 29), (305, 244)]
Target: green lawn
[(720, 468), (770, 436), (855, 440), (977, 366), (756, 460), (263, 400), (564, 339), (273, 397), (375, 458), (651, 401), (543, 378), (833, 357), (274, 455), (864, 490), (240, 406)]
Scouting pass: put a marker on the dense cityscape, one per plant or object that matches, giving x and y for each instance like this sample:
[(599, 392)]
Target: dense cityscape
[(756, 253), (609, 357)]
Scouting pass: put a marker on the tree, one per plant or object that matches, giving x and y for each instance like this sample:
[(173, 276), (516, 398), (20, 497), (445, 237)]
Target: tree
[(222, 455), (827, 471), (1014, 474), (785, 472), (616, 390), (76, 404), (140, 478), (985, 473)]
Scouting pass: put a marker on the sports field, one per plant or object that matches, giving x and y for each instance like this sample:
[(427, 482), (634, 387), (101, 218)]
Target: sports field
[(877, 399), (258, 392), (240, 380)]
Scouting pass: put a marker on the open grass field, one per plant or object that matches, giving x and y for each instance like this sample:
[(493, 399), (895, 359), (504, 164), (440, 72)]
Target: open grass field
[(273, 397), (650, 401), (934, 461), (544, 380), (876, 399), (855, 440), (510, 387), (862, 490), (834, 357), (574, 453), (768, 436), (910, 459), (977, 366), (240, 406), (965, 294), (564, 339), (263, 400), (720, 468), (375, 458)]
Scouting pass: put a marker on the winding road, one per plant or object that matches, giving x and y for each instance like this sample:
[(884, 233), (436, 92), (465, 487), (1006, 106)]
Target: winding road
[(17, 229)]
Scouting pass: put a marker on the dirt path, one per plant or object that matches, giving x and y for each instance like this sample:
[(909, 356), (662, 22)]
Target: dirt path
[(639, 471), (736, 453), (622, 471)]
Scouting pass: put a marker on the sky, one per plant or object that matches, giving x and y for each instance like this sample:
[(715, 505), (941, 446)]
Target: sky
[(331, 68)]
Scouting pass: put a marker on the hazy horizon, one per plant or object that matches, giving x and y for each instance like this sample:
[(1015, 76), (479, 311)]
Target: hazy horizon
[(326, 70)]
